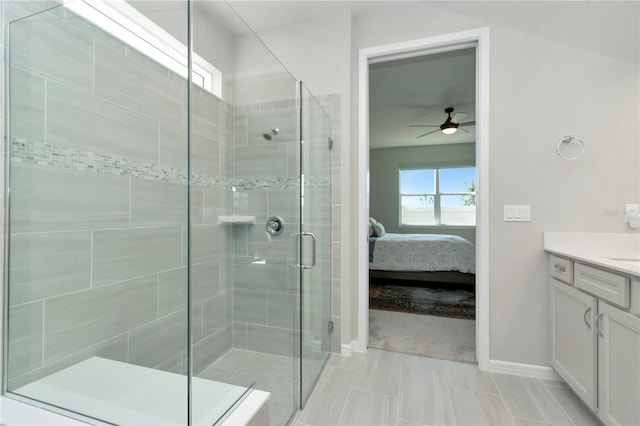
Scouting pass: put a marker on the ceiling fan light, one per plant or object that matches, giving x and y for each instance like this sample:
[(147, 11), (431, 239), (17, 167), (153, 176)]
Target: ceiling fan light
[(449, 130)]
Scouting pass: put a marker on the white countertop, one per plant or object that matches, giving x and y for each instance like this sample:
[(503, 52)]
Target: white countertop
[(618, 252)]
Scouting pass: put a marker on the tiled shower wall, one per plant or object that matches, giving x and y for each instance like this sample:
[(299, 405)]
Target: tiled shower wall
[(151, 185), (265, 286), (99, 196)]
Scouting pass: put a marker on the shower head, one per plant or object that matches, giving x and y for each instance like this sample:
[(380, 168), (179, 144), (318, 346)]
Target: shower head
[(270, 134)]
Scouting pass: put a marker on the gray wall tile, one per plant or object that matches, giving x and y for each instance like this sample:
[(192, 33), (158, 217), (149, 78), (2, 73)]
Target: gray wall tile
[(196, 322), (197, 203), (54, 200), (158, 203), (282, 310), (240, 241), (25, 338), (239, 335), (43, 265), (205, 280), (210, 242), (77, 321), (209, 116), (132, 81), (217, 202), (262, 274), (240, 129), (158, 341), (261, 161), (27, 105), (78, 120), (226, 273), (284, 119), (52, 47), (286, 204), (217, 312), (282, 246), (293, 160), (122, 254), (172, 291), (173, 146), (205, 156), (277, 341), (250, 306), (251, 203), (210, 348)]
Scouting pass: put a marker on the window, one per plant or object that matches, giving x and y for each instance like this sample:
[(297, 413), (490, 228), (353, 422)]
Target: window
[(438, 196), (124, 22)]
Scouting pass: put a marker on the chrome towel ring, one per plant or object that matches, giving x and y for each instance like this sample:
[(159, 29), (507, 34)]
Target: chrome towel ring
[(567, 140)]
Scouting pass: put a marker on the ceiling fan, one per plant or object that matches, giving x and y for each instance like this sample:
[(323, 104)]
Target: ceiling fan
[(450, 125)]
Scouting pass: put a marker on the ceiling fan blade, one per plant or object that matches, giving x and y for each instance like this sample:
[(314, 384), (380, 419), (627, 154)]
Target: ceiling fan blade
[(468, 123), (464, 130), (424, 125), (458, 117), (427, 133)]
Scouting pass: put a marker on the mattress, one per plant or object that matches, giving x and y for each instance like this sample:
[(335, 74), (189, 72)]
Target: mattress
[(422, 252)]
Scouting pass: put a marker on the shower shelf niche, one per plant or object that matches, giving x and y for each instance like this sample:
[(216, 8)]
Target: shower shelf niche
[(236, 220)]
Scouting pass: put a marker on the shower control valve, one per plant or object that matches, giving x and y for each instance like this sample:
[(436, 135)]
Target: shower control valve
[(275, 225)]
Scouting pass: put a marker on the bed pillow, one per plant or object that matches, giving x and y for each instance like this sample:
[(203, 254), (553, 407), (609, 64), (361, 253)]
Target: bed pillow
[(378, 230), (372, 221), (370, 230)]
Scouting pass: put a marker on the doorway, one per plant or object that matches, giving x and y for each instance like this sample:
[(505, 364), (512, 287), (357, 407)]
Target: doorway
[(478, 39)]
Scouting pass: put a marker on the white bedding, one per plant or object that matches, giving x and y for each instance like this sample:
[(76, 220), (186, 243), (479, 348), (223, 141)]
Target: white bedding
[(423, 252)]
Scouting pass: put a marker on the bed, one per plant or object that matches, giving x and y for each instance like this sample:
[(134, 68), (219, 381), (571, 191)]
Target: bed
[(422, 257)]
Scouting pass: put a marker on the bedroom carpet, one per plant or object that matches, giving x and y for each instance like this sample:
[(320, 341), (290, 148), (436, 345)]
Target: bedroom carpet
[(425, 335), (424, 299)]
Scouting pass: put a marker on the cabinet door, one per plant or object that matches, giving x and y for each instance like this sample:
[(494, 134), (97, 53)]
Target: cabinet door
[(573, 339), (618, 366)]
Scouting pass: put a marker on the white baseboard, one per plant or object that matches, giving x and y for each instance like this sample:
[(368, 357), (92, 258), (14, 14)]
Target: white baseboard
[(526, 370), (347, 349)]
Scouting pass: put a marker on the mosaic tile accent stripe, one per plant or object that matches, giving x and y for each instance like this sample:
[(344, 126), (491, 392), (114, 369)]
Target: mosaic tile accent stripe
[(43, 154)]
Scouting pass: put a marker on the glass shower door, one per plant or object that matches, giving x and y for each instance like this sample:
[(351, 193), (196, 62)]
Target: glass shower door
[(315, 241)]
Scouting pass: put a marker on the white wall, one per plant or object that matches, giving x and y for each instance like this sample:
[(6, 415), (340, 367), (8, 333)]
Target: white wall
[(541, 90), (383, 180)]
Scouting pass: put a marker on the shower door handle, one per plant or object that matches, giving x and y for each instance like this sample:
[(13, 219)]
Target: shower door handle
[(313, 250)]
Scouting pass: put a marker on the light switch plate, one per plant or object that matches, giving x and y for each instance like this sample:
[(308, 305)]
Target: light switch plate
[(519, 213), (631, 210)]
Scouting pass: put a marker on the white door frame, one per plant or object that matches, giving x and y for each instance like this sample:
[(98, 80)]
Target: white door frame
[(442, 43)]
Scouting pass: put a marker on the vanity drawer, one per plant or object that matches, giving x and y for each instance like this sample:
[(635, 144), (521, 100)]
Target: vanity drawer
[(611, 287), (561, 269)]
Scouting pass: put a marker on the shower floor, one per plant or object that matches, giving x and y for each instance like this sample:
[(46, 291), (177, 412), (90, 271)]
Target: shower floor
[(271, 373)]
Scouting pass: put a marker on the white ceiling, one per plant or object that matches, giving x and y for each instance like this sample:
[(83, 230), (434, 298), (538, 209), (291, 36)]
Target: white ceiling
[(416, 91)]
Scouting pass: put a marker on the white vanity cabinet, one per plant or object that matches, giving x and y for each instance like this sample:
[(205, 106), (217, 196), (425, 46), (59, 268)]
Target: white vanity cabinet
[(573, 339), (618, 366), (595, 345)]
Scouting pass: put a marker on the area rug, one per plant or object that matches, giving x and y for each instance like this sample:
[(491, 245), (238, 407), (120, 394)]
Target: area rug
[(427, 299), (425, 335)]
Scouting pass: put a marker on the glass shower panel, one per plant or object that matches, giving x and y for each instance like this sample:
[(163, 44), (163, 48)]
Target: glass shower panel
[(244, 157), (98, 235), (315, 219)]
